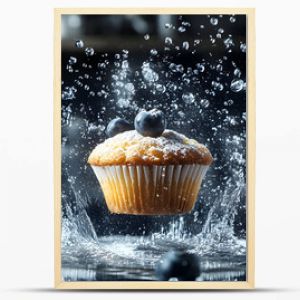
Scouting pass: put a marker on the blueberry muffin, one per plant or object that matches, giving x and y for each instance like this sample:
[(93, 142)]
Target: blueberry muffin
[(149, 170)]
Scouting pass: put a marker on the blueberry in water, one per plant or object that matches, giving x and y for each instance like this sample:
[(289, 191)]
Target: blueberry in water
[(178, 264), (150, 123), (116, 126)]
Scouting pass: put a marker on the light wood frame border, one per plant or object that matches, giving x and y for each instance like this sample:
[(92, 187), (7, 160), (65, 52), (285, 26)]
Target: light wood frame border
[(157, 285)]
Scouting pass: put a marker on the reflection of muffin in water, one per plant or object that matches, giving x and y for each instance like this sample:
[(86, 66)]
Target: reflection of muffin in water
[(150, 175)]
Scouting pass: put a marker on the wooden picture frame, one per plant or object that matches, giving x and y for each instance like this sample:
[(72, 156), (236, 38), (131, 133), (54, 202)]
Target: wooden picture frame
[(250, 175)]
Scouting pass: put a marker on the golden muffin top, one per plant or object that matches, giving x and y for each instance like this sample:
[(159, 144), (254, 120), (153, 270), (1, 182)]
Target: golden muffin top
[(132, 148)]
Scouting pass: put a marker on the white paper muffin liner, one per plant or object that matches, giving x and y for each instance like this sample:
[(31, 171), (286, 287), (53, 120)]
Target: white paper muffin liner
[(150, 190)]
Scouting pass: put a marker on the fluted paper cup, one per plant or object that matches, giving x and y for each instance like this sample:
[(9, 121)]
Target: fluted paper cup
[(150, 190)]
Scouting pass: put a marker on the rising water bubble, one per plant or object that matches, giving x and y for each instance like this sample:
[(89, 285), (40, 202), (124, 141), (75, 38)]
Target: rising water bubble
[(68, 93), (181, 114), (102, 65), (219, 67), (237, 72), (228, 102), (129, 87), (125, 64), (188, 98), (214, 21), (168, 25), (200, 67), (79, 44), (232, 19), (237, 85), (146, 37), (181, 29), (172, 67), (196, 42), (243, 47), (149, 74), (72, 60), (168, 41), (204, 103), (217, 86), (160, 88), (228, 42), (89, 51), (180, 68), (186, 24), (153, 52), (123, 103), (185, 45)]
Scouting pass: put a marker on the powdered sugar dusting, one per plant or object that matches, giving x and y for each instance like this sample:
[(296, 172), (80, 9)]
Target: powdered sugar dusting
[(132, 147)]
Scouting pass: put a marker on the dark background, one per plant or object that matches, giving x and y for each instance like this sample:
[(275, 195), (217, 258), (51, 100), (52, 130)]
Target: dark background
[(94, 104)]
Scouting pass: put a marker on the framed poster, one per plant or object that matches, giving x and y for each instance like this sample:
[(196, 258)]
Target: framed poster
[(154, 148)]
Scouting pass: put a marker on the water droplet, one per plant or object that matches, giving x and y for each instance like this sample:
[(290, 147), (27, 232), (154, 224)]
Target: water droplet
[(188, 98), (181, 114), (243, 47), (119, 84), (219, 67), (101, 66), (204, 103), (125, 53), (230, 102), (181, 29), (232, 19), (153, 52), (214, 21), (129, 87), (148, 73), (228, 42), (196, 42), (89, 51), (168, 41), (72, 60), (237, 85), (237, 72), (160, 88), (125, 64), (186, 24), (180, 68), (69, 93), (172, 67), (146, 37), (186, 80), (185, 45), (79, 44), (217, 86), (123, 103), (200, 67)]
